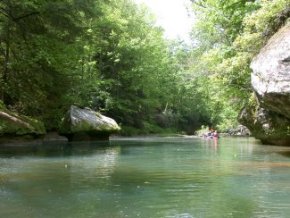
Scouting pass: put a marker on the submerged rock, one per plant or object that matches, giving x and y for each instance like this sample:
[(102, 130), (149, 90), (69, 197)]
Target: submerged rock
[(15, 127), (86, 124)]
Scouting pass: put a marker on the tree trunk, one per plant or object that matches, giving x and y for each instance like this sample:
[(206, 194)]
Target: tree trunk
[(6, 64)]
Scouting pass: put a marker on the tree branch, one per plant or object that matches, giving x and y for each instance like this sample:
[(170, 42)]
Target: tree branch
[(26, 15), (8, 117)]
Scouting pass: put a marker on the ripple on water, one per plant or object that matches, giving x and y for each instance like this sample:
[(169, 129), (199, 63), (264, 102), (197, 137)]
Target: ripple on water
[(149, 178)]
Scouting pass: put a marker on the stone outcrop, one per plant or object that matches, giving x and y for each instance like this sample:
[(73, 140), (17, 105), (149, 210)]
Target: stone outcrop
[(14, 127), (239, 130), (85, 124), (268, 126), (271, 73), (269, 118)]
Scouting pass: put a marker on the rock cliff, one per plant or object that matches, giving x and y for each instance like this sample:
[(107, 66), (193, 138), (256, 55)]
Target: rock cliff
[(269, 118)]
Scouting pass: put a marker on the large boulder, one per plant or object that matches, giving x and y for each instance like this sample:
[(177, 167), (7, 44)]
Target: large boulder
[(85, 124), (269, 117), (15, 127), (271, 73)]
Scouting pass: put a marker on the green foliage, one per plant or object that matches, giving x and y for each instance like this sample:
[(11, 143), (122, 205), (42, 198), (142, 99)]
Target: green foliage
[(2, 105), (20, 125), (229, 34), (37, 39), (110, 56), (107, 55)]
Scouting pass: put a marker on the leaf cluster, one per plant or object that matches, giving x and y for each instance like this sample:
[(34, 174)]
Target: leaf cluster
[(229, 34), (106, 55)]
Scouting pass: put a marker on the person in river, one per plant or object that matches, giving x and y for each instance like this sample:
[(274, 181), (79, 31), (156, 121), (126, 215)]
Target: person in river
[(215, 134), (211, 134)]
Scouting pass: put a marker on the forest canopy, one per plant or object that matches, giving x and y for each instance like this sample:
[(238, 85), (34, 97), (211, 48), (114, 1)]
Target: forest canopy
[(112, 57)]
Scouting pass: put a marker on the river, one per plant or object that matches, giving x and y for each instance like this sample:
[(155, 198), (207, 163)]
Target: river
[(172, 177)]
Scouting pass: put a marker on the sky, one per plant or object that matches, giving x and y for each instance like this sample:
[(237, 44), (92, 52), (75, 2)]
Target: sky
[(173, 16)]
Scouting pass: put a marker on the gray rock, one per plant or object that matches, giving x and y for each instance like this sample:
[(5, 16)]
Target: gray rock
[(239, 130), (86, 124), (271, 73)]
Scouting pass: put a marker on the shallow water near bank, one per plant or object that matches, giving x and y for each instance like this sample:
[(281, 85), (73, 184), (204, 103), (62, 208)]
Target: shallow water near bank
[(170, 177)]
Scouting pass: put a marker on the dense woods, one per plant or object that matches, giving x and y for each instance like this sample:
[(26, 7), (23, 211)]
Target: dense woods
[(228, 35), (110, 56)]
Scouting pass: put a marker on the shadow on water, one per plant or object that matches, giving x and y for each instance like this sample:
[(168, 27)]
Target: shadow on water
[(54, 149), (65, 149), (284, 153)]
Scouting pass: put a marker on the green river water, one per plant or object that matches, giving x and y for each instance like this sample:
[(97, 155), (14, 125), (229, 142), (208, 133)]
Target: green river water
[(172, 177)]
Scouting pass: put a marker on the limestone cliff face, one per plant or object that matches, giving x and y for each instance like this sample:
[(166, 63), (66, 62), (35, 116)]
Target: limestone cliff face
[(269, 119), (271, 73)]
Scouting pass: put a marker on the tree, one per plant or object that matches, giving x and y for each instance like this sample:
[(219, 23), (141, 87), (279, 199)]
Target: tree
[(226, 80), (37, 53), (228, 35)]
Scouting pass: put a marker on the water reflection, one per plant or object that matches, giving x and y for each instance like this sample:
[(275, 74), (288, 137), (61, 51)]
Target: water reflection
[(148, 177), (50, 149)]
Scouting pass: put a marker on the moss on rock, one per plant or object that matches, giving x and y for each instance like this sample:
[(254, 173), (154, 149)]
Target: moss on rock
[(13, 125), (268, 126)]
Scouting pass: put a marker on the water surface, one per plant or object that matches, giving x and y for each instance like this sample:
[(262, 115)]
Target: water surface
[(145, 177)]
